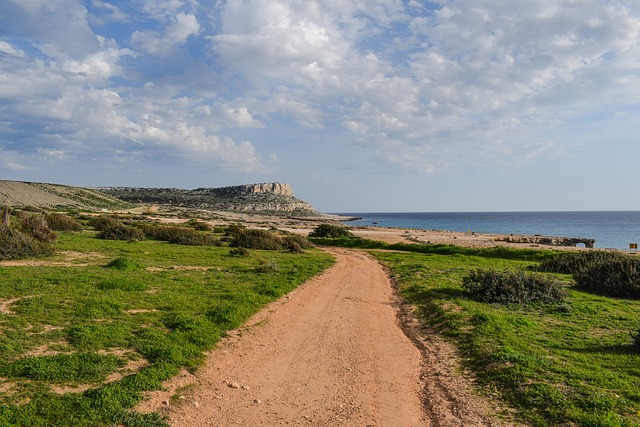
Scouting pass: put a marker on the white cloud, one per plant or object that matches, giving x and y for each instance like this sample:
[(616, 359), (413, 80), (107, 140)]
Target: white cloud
[(179, 29), (10, 50), (59, 28)]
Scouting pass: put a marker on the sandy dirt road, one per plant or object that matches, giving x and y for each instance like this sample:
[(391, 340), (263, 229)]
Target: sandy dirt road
[(330, 353)]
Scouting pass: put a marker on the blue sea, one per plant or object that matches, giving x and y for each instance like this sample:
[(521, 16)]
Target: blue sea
[(610, 229)]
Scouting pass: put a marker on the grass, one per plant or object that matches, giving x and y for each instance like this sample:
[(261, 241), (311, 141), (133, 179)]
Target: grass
[(149, 304), (559, 364)]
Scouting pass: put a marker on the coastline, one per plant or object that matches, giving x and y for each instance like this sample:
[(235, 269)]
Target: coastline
[(304, 225)]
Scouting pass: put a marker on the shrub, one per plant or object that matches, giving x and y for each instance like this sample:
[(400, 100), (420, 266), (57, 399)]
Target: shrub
[(616, 278), (180, 235), (575, 262), (257, 239), (199, 225), (239, 252), (17, 245), (512, 287), (59, 222), (291, 240), (233, 229), (37, 227), (329, 230), (113, 229)]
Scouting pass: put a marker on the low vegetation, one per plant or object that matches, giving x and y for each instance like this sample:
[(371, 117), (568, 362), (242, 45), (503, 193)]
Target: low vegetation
[(606, 273), (268, 240), (60, 222), (180, 235), (512, 287), (330, 231), (82, 339), (113, 229), (15, 244), (573, 362)]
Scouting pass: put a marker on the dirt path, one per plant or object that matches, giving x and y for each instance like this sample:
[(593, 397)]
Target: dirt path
[(330, 353)]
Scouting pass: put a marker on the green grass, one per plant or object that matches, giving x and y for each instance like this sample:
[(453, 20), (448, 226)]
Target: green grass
[(148, 301), (567, 364)]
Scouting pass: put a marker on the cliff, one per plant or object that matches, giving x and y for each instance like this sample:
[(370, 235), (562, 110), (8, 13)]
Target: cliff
[(264, 198)]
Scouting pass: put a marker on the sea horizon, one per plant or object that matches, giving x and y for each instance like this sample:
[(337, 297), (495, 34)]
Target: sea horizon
[(612, 229)]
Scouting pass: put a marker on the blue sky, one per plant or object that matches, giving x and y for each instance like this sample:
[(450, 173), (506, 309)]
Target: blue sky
[(360, 105)]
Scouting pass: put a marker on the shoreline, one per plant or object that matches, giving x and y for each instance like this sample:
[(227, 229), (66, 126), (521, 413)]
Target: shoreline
[(304, 225)]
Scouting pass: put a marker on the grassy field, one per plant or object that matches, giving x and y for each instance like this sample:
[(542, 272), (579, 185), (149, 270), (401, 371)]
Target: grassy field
[(86, 331), (565, 364)]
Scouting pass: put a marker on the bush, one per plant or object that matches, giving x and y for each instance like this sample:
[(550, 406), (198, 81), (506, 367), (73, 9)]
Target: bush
[(291, 240), (332, 231), (576, 262), (616, 278), (239, 252), (113, 229), (257, 239), (199, 225), (233, 229), (180, 235), (59, 222), (512, 287), (17, 245), (37, 227)]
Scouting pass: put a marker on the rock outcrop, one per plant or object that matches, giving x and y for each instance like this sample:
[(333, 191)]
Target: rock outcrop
[(265, 198), (548, 240)]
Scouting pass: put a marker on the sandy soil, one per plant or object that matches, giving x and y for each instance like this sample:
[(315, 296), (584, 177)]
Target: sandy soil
[(332, 352)]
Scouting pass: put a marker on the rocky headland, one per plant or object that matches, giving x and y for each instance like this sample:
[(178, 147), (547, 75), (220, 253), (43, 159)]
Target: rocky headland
[(273, 198)]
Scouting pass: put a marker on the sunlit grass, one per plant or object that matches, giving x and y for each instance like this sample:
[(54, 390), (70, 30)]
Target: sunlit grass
[(560, 363), (79, 322)]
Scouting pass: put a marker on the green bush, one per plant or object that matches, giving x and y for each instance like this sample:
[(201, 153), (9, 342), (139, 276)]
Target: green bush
[(59, 222), (512, 287), (257, 239), (37, 227), (199, 225), (113, 229), (295, 243), (239, 252), (616, 278), (17, 245), (180, 235), (233, 229), (575, 262), (330, 230)]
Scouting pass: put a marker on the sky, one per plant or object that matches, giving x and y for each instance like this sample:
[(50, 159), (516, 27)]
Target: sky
[(359, 105)]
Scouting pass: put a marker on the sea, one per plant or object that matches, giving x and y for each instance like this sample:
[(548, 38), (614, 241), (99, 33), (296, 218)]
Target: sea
[(610, 229)]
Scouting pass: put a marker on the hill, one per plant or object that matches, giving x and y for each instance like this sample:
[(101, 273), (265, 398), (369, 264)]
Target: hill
[(35, 194), (265, 198)]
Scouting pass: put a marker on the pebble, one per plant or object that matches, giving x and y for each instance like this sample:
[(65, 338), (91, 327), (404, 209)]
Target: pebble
[(257, 401), (234, 385)]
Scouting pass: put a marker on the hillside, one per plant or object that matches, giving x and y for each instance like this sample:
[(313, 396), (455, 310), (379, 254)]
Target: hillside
[(265, 198), (34, 194)]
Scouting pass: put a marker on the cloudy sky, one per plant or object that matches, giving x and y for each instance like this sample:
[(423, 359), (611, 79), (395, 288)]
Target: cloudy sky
[(360, 105)]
